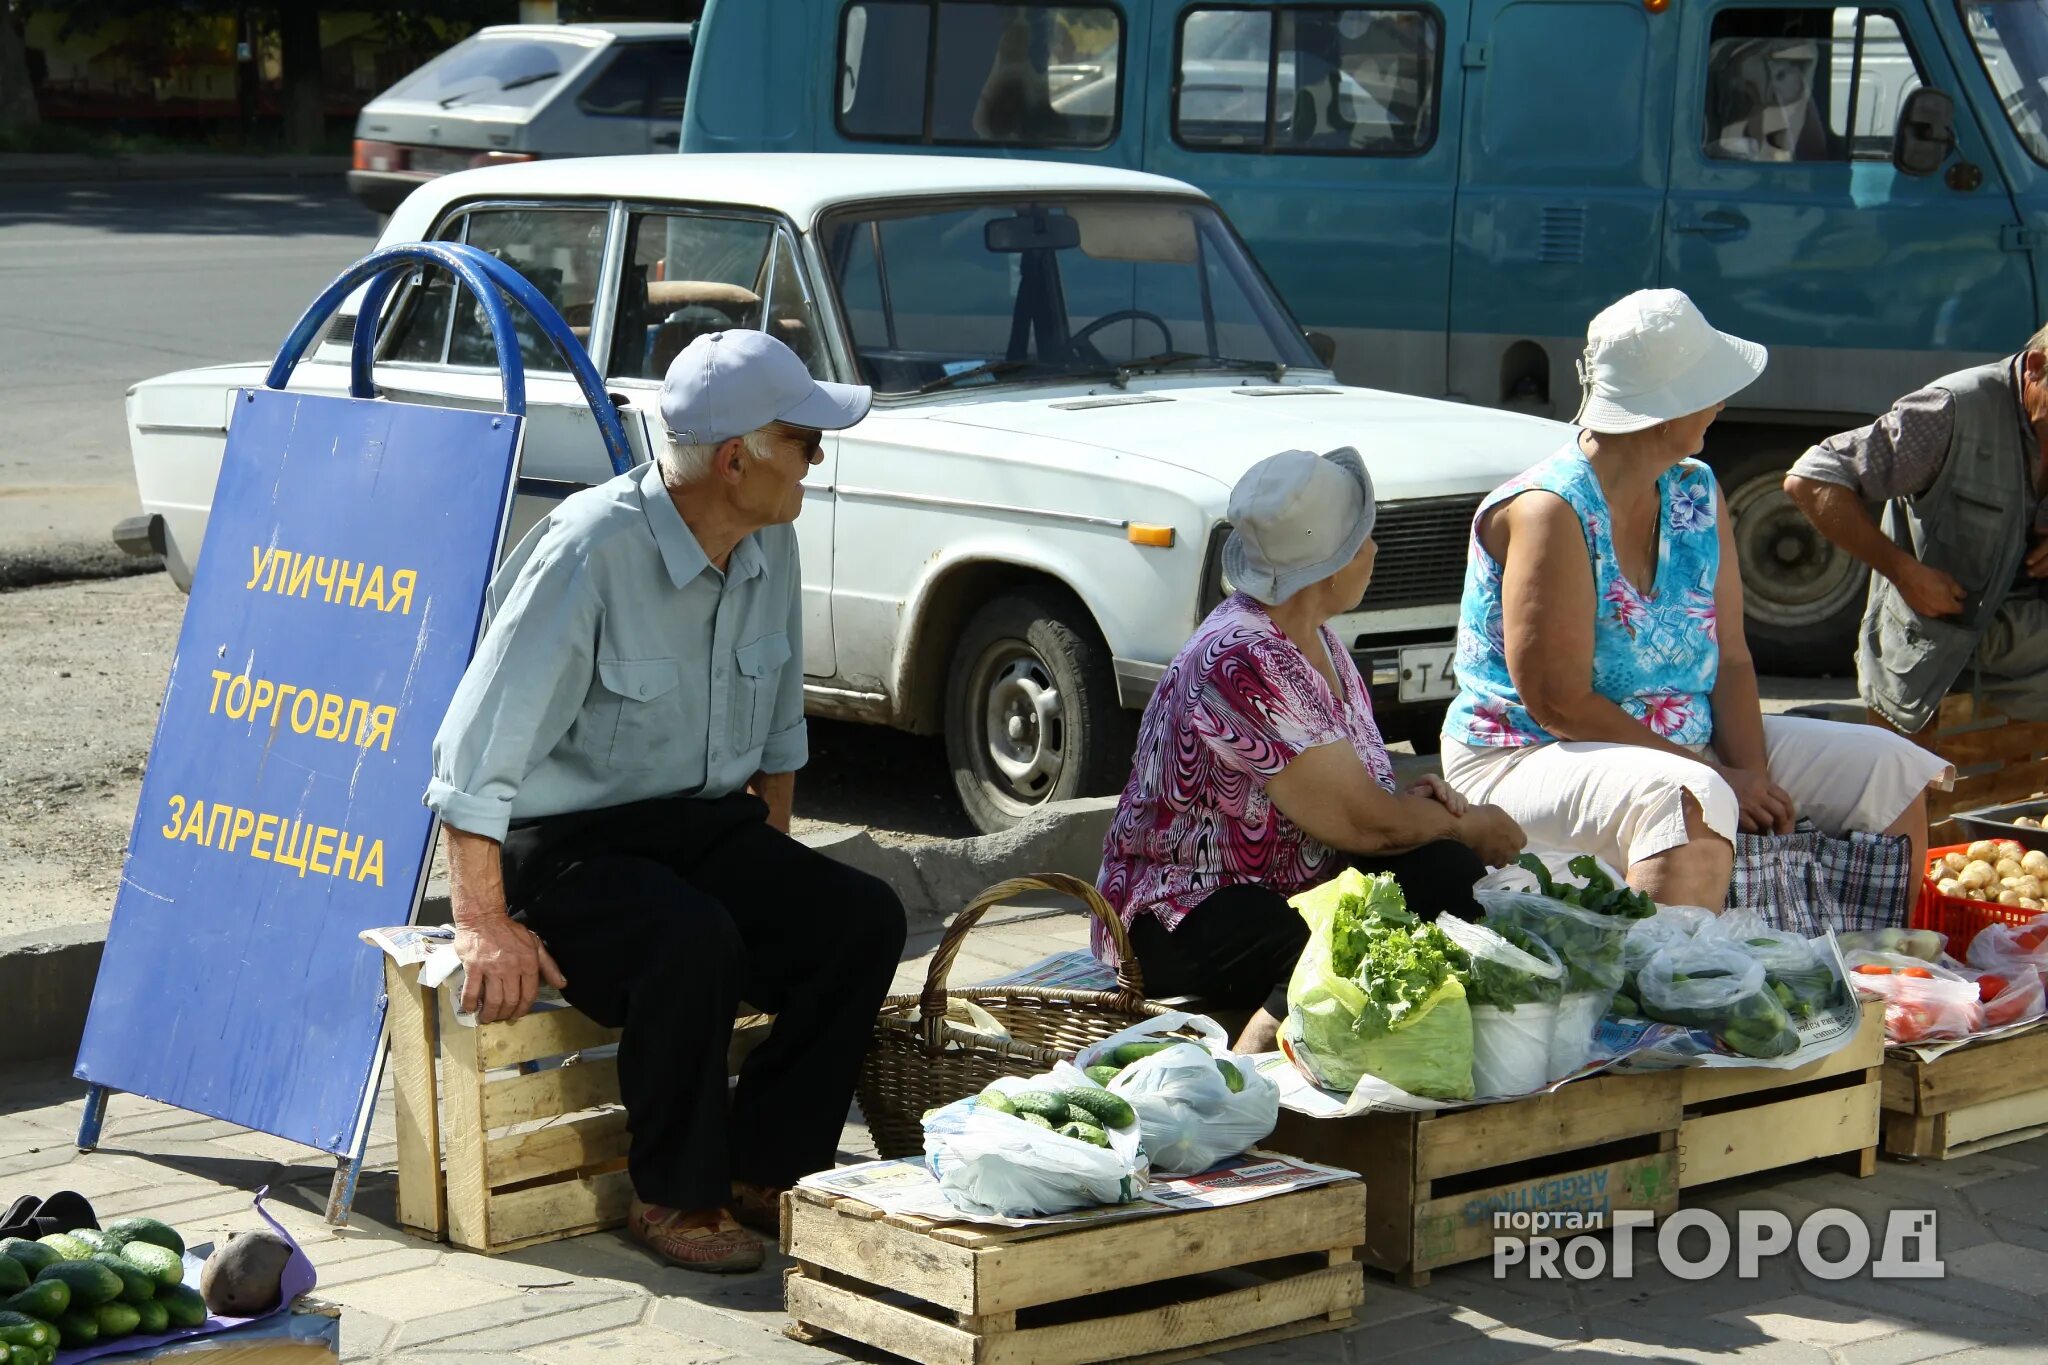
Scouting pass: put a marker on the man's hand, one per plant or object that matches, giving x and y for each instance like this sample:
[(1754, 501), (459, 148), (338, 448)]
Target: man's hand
[(503, 964), (1436, 789), (1766, 807), (1930, 591), (1492, 833), (2037, 559)]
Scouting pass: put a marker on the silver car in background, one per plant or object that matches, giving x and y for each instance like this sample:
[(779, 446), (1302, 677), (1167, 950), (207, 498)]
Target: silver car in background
[(520, 92)]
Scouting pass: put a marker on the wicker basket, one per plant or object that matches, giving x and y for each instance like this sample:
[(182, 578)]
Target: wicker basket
[(919, 1061)]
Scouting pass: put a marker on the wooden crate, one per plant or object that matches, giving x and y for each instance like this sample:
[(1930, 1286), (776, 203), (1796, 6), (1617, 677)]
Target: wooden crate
[(1978, 1096), (500, 1145), (1156, 1288), (1997, 759), (1435, 1182), (1741, 1120)]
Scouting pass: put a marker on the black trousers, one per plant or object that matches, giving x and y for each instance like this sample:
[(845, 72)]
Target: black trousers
[(664, 916), (1239, 946)]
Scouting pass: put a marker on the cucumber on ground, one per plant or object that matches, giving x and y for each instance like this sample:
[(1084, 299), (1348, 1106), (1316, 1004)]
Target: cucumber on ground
[(98, 1239), (91, 1284), (77, 1327), (20, 1355), (14, 1276), (137, 1284), (156, 1319), (183, 1303), (160, 1264), (117, 1320), (136, 1228), (43, 1300), (33, 1255)]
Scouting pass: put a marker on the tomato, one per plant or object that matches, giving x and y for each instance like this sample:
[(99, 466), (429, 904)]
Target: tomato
[(2032, 939), (1873, 969), (1908, 1021), (1989, 987), (1920, 973)]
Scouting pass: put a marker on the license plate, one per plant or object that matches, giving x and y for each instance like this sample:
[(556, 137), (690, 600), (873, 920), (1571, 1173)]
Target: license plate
[(1426, 673)]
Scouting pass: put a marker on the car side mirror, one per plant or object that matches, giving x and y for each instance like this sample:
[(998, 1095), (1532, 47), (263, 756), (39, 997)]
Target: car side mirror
[(1926, 133), (1325, 347)]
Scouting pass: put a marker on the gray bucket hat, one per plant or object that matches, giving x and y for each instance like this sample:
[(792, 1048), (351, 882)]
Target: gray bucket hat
[(1296, 518)]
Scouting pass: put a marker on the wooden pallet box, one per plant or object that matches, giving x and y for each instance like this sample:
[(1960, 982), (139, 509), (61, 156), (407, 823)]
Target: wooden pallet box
[(1437, 1184), (500, 1145), (1997, 758), (1741, 1120), (1156, 1288), (1980, 1095)]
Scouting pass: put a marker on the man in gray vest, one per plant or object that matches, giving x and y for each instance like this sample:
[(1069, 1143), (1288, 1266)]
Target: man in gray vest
[(1960, 561)]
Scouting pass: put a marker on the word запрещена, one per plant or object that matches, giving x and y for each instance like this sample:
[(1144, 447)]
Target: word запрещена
[(275, 839)]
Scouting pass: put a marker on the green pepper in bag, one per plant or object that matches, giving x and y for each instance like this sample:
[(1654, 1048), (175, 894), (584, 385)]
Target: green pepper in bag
[(1399, 1012)]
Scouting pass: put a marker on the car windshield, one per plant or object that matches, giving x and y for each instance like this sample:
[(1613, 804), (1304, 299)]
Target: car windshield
[(488, 70), (2012, 42), (1044, 289)]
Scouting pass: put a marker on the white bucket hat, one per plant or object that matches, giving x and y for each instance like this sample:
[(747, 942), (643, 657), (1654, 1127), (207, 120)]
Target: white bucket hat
[(1295, 519), (1652, 357)]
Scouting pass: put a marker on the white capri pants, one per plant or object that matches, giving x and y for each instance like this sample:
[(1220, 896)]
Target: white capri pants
[(1626, 803)]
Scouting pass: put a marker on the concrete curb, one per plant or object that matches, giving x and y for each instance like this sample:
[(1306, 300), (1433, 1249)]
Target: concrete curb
[(47, 977), (25, 167)]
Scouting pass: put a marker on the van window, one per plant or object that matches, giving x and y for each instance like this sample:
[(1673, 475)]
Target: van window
[(1307, 78), (557, 250), (968, 74), (2011, 37), (1812, 83)]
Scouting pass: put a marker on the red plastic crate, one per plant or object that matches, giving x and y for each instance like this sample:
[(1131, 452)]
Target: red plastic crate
[(1957, 917)]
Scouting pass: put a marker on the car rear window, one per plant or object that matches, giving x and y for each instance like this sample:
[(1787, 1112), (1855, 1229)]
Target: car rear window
[(520, 71)]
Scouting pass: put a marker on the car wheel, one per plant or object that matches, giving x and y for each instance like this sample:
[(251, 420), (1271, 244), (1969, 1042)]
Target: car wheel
[(1031, 709), (1802, 597)]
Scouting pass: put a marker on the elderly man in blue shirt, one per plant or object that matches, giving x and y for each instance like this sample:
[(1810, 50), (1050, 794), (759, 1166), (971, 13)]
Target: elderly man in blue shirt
[(615, 774)]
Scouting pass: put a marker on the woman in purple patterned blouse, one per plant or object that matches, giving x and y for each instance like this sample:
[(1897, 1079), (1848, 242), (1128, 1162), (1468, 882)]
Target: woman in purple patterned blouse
[(1260, 771)]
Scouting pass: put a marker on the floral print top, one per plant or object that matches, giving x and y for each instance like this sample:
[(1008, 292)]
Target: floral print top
[(1656, 653), (1238, 704)]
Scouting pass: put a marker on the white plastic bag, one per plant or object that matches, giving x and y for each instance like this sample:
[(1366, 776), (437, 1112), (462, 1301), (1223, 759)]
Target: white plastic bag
[(1514, 996), (1571, 1037), (994, 1163), (1188, 1116)]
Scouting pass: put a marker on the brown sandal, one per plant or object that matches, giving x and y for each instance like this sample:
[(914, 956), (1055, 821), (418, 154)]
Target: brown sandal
[(722, 1247), (758, 1207)]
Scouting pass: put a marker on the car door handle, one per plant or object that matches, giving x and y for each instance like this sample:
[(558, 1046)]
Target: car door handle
[(1722, 224)]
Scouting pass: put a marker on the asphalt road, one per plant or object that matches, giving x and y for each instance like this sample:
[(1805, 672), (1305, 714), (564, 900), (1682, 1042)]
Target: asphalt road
[(102, 285)]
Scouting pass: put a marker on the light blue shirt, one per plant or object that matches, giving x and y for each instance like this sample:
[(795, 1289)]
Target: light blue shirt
[(620, 665)]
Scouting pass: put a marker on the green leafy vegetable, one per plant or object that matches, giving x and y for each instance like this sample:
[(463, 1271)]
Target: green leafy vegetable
[(1503, 985), (1381, 905)]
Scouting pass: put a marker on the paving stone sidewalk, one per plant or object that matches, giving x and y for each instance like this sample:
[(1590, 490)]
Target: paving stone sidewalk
[(598, 1299)]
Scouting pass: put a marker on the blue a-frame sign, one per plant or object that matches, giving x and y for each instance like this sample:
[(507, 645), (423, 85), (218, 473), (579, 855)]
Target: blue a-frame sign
[(334, 607)]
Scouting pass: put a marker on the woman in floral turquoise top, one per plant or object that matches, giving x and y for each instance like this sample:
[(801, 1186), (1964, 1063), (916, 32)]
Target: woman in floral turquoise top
[(1606, 696)]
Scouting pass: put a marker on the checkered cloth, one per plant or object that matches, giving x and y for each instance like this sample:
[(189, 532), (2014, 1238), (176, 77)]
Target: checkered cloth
[(1809, 882)]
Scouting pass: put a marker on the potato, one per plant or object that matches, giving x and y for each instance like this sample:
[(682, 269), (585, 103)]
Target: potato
[(1983, 849), (1949, 886), (1978, 873), (2026, 904), (2028, 887), (2035, 863), (2028, 822), (1956, 862), (2008, 898), (2007, 867)]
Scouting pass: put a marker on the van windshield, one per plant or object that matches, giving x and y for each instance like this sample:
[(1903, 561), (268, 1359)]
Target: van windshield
[(486, 70), (2012, 42), (1044, 290)]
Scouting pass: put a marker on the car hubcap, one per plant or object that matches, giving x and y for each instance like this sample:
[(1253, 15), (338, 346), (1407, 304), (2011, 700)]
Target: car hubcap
[(1024, 724), (1791, 576)]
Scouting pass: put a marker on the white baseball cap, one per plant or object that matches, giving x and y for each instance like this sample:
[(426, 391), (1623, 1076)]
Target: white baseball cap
[(726, 384), (1652, 357), (1295, 519)]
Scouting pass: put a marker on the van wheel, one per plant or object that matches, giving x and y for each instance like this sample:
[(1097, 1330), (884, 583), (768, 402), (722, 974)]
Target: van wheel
[(1802, 597), (1031, 709)]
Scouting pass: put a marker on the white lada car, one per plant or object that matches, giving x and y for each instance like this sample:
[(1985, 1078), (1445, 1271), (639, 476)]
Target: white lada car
[(1072, 365)]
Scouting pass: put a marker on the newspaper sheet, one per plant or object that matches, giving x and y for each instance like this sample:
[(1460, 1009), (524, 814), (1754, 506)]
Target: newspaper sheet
[(1927, 1052), (906, 1186), (406, 944), (1073, 970)]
